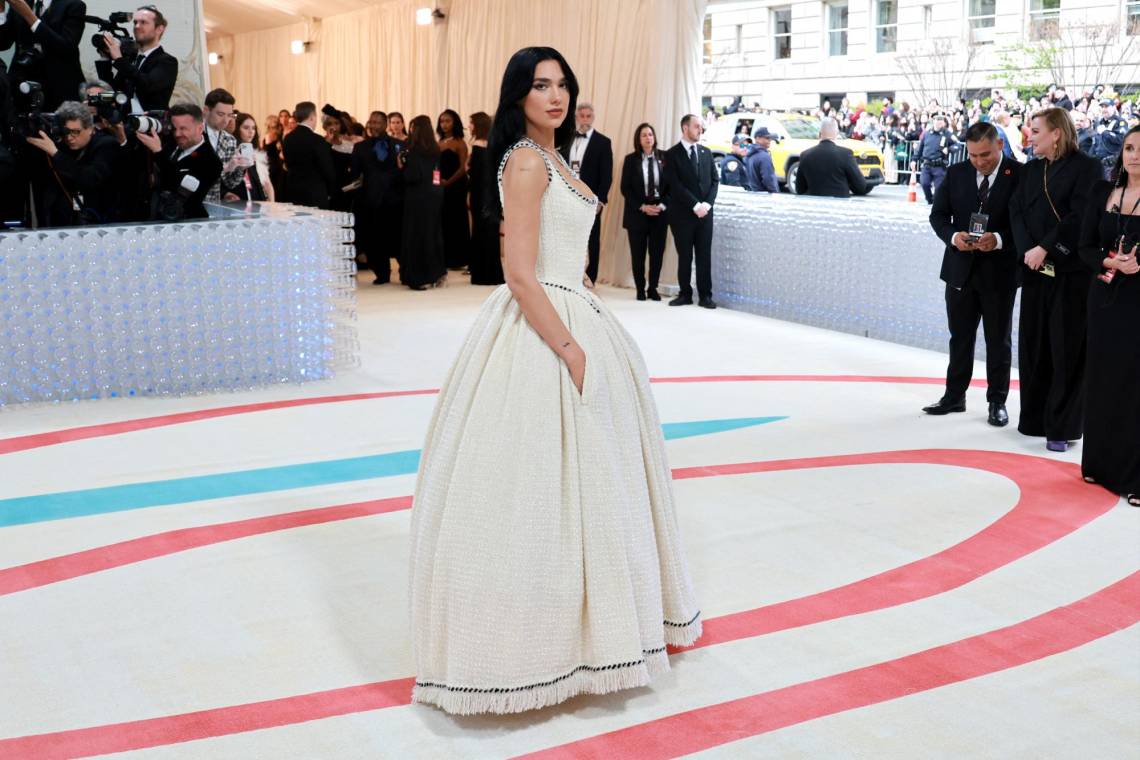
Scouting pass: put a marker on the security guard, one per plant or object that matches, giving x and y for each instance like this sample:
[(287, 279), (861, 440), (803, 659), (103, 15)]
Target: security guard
[(732, 170), (935, 153)]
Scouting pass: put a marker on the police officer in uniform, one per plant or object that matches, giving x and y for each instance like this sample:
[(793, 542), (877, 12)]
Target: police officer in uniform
[(1110, 130), (935, 153), (732, 170)]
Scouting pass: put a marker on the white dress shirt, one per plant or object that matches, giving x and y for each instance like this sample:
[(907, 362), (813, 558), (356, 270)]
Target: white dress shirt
[(993, 178), (181, 154), (579, 145), (688, 146), (645, 159), (136, 105)]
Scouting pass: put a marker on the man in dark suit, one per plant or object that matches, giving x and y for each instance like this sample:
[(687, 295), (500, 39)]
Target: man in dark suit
[(188, 169), (148, 78), (308, 157), (47, 34), (80, 187), (374, 165), (979, 268), (592, 155), (828, 169), (692, 181)]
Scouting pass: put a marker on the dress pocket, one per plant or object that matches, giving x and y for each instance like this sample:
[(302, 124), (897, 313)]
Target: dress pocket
[(583, 395)]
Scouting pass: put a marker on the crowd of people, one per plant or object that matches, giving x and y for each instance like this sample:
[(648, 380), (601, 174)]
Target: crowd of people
[(928, 139)]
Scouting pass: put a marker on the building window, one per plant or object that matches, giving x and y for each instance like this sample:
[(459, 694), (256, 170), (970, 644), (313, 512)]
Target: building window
[(927, 20), (887, 25), (782, 32), (739, 39), (708, 39), (1132, 18), (837, 28), (1044, 19), (982, 17)]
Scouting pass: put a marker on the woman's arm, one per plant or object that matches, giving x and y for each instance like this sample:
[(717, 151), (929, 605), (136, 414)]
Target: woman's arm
[(524, 182)]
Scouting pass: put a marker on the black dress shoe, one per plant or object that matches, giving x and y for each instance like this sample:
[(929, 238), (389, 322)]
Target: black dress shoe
[(707, 303), (946, 406), (640, 295), (682, 301), (998, 416), (653, 294)]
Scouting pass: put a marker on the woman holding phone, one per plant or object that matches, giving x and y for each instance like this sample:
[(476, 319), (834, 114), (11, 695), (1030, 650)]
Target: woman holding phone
[(254, 184)]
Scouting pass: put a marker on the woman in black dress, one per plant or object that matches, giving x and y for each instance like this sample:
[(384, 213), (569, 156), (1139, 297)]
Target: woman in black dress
[(341, 140), (1046, 213), (486, 266), (453, 173), (1110, 237), (421, 252)]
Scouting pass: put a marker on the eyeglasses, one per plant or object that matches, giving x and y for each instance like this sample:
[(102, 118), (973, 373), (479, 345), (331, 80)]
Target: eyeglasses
[(72, 132)]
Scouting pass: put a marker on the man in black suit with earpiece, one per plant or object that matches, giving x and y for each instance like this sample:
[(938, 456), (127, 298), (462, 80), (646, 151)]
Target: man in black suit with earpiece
[(980, 266), (692, 181)]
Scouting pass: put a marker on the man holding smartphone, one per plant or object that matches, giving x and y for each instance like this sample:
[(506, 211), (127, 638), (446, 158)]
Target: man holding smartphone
[(980, 265)]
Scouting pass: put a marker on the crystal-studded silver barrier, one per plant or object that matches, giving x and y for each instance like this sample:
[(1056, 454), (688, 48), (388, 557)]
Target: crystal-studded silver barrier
[(863, 266), (251, 299)]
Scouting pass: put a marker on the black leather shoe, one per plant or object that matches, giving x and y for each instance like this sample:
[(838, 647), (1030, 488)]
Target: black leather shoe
[(998, 416), (653, 294), (946, 406), (640, 295), (682, 301), (707, 303)]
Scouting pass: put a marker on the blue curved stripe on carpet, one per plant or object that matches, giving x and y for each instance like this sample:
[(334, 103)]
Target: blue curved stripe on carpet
[(93, 501)]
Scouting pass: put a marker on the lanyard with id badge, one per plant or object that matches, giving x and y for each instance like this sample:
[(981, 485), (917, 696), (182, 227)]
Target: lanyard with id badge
[(978, 220)]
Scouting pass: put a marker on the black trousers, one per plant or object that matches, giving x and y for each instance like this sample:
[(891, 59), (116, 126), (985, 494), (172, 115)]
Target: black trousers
[(965, 307), (694, 238), (594, 248), (1051, 354), (653, 239)]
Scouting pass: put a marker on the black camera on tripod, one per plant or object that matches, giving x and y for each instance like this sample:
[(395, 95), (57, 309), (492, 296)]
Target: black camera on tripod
[(111, 107), (127, 44), (33, 122)]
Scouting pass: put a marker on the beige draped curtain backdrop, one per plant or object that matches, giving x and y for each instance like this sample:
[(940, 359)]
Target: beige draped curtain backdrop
[(636, 60)]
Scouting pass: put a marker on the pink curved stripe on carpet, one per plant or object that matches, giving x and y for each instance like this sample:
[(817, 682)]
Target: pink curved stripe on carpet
[(66, 435), (1060, 630), (1050, 507), (56, 569)]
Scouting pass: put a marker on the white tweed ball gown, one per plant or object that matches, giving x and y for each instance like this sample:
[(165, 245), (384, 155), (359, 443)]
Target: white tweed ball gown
[(545, 559)]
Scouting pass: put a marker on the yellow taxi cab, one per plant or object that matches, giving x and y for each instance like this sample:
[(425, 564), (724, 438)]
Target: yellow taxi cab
[(797, 133)]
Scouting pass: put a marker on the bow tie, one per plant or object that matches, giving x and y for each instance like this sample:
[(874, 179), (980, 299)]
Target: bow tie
[(581, 136)]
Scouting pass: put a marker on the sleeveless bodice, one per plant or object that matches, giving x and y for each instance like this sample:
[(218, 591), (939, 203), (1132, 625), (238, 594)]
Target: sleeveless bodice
[(567, 216)]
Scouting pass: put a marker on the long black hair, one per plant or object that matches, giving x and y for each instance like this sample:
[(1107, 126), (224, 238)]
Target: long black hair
[(1119, 176), (509, 124), (456, 125)]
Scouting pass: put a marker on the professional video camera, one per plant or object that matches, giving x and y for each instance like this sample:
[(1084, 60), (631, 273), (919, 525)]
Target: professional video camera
[(111, 107), (157, 122), (33, 122), (127, 44)]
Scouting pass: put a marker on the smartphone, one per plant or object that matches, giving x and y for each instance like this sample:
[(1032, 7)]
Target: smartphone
[(246, 151)]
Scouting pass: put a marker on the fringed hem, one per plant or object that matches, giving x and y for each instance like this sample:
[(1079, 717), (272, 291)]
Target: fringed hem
[(458, 702), (683, 635)]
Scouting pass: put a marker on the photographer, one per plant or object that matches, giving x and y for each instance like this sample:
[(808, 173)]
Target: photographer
[(187, 171), (81, 167), (47, 49), (147, 78)]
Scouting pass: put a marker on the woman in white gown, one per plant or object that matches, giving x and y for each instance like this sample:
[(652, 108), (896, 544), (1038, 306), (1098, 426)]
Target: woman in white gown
[(545, 558)]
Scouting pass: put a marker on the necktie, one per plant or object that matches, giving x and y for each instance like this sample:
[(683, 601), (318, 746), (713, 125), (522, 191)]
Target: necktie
[(693, 157), (38, 8), (983, 191), (651, 191)]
